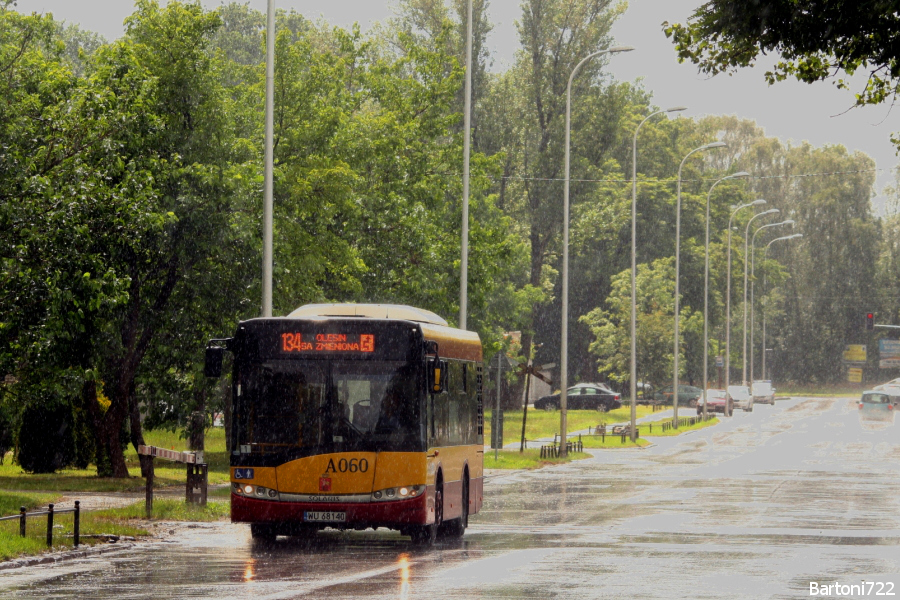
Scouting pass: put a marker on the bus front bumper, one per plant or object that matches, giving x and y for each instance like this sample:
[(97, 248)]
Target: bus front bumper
[(394, 514)]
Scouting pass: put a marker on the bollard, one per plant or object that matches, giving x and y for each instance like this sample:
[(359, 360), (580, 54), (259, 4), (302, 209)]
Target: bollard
[(50, 526), (22, 518), (148, 500), (77, 521), (204, 482)]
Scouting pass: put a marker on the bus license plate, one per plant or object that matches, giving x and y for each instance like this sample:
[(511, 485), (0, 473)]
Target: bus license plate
[(324, 516)]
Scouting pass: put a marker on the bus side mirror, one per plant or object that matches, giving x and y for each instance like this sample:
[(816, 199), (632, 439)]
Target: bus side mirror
[(213, 365), (437, 370)]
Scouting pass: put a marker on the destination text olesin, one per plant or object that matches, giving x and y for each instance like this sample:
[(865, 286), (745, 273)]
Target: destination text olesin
[(327, 342)]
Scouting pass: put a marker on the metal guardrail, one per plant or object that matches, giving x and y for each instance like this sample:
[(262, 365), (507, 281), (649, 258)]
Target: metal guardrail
[(197, 475), (50, 512)]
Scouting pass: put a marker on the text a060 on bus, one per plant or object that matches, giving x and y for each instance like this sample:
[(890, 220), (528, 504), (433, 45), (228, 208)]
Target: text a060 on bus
[(353, 416)]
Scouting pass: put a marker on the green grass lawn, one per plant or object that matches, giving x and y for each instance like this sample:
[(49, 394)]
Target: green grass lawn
[(657, 431), (128, 521), (12, 544), (529, 459), (544, 424), (611, 441), (166, 473)]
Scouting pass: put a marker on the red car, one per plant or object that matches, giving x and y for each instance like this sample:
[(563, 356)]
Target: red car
[(718, 401)]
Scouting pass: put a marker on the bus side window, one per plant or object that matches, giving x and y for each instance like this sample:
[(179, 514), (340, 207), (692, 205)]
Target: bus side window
[(429, 419), (456, 404)]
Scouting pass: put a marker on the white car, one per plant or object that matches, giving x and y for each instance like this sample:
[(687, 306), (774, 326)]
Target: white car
[(741, 396), (892, 389), (763, 392)]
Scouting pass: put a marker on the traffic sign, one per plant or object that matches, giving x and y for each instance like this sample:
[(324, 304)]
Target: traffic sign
[(855, 353), (854, 375), (720, 361)]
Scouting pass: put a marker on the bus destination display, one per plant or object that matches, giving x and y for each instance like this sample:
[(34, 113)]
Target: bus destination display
[(327, 342)]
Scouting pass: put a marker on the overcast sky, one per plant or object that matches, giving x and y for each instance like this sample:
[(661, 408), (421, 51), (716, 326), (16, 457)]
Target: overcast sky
[(788, 110)]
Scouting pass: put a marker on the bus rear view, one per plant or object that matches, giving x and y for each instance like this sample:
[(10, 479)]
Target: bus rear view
[(355, 416)]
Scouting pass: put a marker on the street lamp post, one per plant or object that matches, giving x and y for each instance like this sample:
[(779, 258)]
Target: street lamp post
[(706, 286), (268, 167), (678, 271), (757, 202), (564, 341), (753, 283), (464, 251), (634, 267), (771, 211), (765, 287)]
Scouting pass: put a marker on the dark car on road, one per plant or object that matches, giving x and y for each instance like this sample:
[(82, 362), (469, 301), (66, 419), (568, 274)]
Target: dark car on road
[(584, 396), (687, 395)]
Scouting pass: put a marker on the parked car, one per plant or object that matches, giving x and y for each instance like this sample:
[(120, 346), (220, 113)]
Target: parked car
[(717, 401), (876, 405), (584, 396), (741, 396), (687, 395), (763, 392)]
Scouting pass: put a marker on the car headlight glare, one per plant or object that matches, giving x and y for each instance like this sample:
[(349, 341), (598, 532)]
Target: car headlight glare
[(248, 489)]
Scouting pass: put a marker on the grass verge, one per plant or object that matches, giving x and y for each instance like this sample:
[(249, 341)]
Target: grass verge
[(612, 441), (529, 459), (545, 424), (169, 510), (166, 473), (94, 526), (657, 431)]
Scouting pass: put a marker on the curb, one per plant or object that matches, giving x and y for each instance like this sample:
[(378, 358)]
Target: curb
[(68, 555)]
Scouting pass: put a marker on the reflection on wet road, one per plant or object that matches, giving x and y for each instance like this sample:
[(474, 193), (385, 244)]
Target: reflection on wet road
[(757, 507)]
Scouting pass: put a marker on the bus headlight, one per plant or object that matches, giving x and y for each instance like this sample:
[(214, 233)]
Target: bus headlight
[(398, 493)]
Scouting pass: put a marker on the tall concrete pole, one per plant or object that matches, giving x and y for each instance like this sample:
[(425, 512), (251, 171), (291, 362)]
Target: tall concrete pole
[(678, 274), (269, 161), (467, 126), (728, 294), (706, 287), (634, 373), (564, 338)]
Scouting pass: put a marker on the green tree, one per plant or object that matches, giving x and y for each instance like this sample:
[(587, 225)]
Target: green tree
[(611, 328), (815, 41)]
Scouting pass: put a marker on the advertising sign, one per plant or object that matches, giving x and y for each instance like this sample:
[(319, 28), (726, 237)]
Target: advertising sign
[(889, 363), (854, 375), (855, 353), (888, 349)]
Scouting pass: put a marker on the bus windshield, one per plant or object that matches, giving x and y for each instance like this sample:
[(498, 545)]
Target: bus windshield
[(303, 407)]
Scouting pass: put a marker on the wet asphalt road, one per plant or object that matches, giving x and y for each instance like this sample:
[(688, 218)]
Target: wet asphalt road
[(756, 507)]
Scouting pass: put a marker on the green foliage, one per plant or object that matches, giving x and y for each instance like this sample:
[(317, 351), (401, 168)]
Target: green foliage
[(655, 332), (815, 41), (45, 436)]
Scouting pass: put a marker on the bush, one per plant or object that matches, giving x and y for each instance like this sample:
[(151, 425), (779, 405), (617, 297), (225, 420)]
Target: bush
[(45, 436), (6, 433)]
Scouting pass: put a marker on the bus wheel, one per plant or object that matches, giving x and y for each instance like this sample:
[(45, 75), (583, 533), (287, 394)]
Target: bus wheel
[(262, 532), (425, 535), (457, 527)]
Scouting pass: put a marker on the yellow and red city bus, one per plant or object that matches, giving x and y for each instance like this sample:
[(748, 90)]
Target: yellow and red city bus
[(353, 416)]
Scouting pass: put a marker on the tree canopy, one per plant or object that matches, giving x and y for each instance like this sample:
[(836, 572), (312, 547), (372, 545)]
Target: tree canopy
[(814, 40)]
